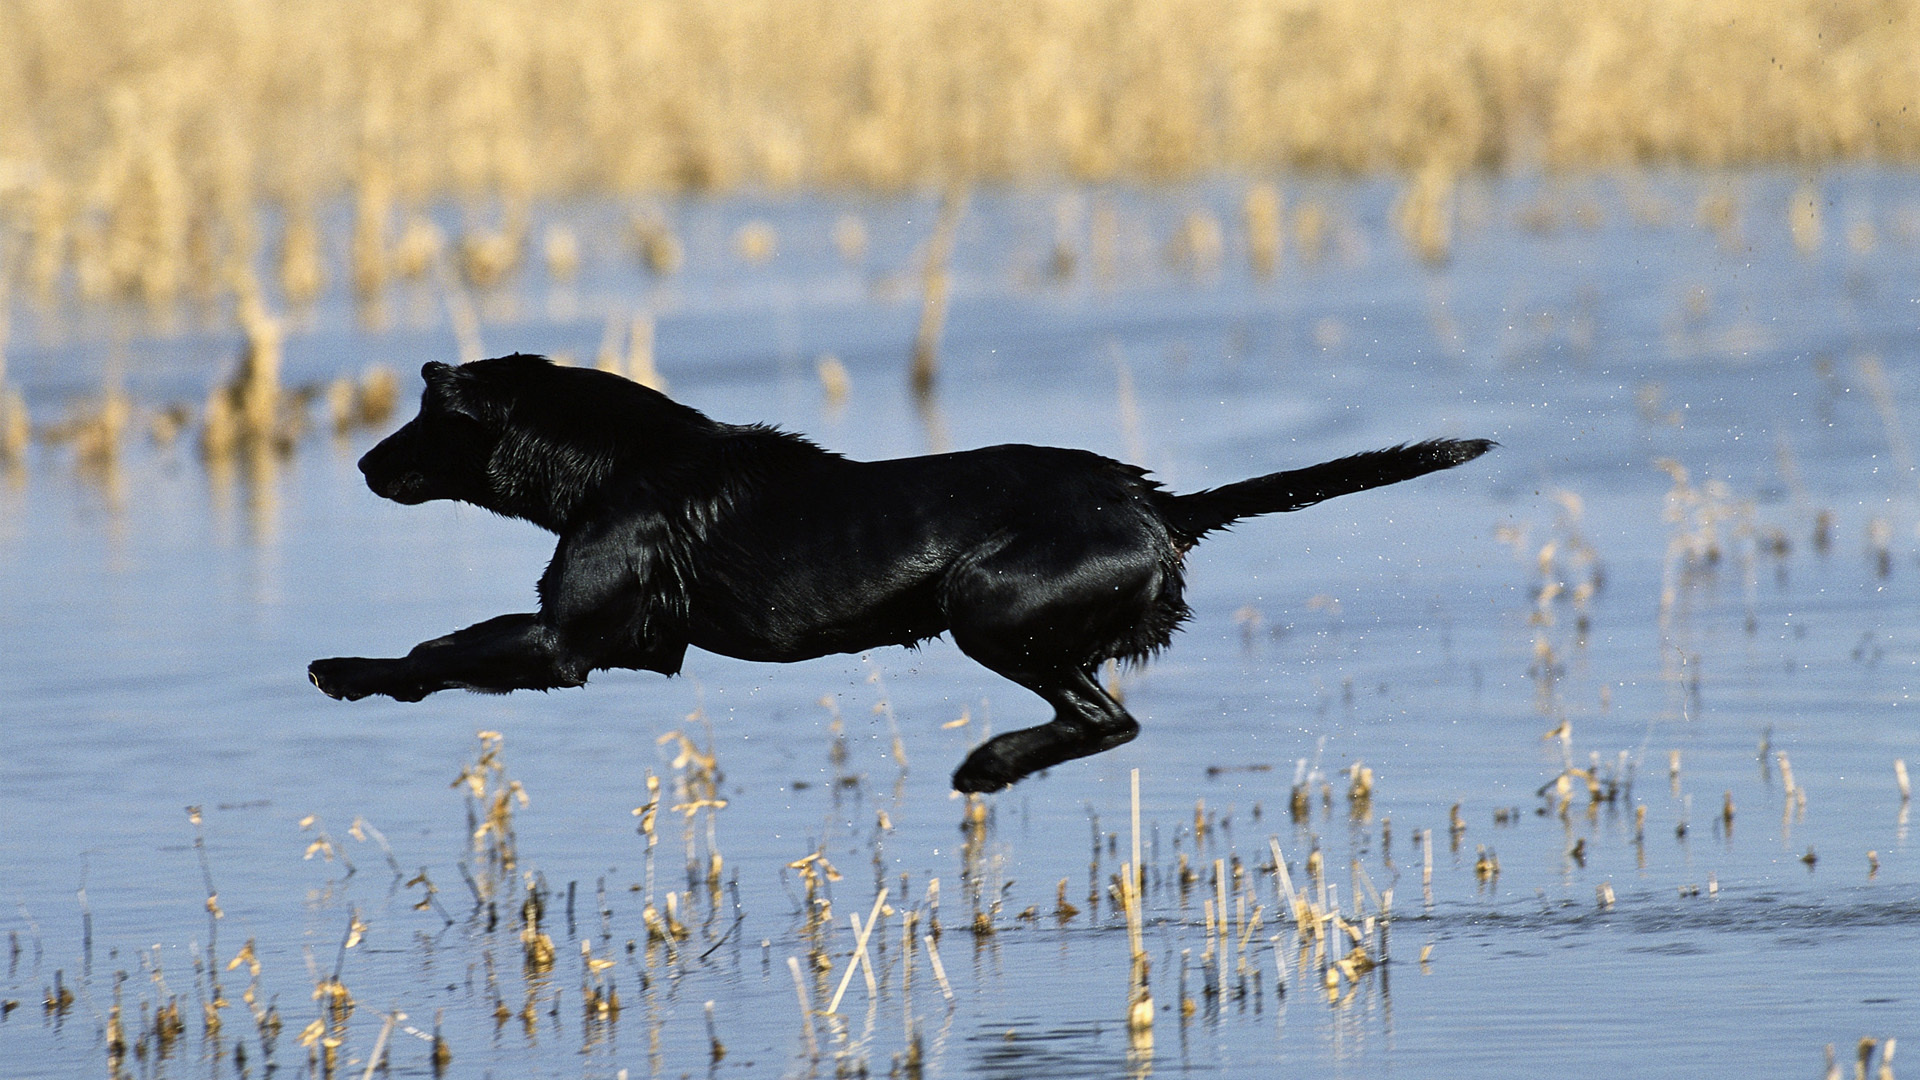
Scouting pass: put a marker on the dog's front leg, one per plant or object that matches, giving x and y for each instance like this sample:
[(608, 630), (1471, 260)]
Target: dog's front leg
[(511, 652), (350, 678)]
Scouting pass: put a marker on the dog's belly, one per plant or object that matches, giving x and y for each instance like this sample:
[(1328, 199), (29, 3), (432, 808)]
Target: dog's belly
[(780, 623), (780, 641)]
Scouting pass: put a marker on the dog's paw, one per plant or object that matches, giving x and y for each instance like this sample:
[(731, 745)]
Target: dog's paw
[(350, 678), (984, 772)]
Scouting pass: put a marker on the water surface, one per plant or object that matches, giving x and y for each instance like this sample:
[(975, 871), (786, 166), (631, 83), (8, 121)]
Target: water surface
[(158, 617)]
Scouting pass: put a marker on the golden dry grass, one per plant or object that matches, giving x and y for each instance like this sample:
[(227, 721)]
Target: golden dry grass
[(136, 139)]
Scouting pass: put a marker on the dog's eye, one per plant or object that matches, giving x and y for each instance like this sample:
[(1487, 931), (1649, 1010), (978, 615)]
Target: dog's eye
[(459, 425)]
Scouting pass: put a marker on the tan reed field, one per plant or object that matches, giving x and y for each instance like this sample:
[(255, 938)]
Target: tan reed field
[(136, 140)]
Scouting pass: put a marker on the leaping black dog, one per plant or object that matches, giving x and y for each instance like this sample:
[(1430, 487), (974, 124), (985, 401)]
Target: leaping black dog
[(678, 530)]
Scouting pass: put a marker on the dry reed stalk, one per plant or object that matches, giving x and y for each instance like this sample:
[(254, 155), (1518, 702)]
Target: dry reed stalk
[(367, 247), (640, 363), (835, 383), (1139, 994), (659, 248), (608, 358), (1425, 213), (1294, 906), (860, 956), (934, 287), (562, 251), (939, 969), (1311, 228), (303, 273), (1197, 244), (377, 1059), (715, 1048), (1281, 974), (442, 1054), (1262, 210), (1426, 865), (487, 257), (250, 410), (850, 237), (257, 388), (756, 242), (418, 250), (1220, 908), (1134, 817), (15, 429), (1132, 879), (461, 315), (806, 1007)]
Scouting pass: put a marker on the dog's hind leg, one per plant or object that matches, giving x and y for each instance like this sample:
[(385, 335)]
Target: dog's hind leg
[(1046, 618), (1086, 721)]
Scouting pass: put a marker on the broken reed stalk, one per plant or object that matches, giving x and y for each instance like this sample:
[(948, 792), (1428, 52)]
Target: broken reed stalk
[(866, 958), (1281, 974), (860, 957), (1286, 879), (806, 1007), (361, 829), (375, 1059), (715, 1048), (215, 999), (939, 969), (933, 296)]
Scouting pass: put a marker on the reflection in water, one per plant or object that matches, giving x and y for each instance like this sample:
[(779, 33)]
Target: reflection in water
[(248, 469)]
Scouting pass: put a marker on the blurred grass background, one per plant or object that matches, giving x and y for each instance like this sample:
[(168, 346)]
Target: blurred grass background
[(137, 140)]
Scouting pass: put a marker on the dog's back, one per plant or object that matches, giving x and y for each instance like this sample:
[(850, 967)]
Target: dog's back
[(851, 555)]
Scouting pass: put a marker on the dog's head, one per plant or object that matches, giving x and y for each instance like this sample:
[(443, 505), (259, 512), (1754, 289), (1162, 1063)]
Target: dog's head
[(526, 438), (441, 453)]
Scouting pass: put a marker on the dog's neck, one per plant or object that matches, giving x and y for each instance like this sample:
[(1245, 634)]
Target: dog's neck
[(552, 489), (558, 486)]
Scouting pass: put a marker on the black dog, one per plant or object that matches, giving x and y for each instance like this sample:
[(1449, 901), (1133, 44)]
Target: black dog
[(677, 530)]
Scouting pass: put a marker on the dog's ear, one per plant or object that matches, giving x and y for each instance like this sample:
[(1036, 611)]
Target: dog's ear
[(453, 388)]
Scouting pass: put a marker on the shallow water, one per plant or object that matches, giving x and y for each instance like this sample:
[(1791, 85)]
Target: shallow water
[(158, 616)]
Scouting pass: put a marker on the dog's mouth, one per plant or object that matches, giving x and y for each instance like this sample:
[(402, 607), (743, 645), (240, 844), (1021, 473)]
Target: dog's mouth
[(407, 489)]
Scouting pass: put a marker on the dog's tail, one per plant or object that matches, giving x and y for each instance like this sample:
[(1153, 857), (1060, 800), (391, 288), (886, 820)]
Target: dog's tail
[(1190, 517)]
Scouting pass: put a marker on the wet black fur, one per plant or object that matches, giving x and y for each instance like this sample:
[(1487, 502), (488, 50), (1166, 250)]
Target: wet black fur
[(676, 530)]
